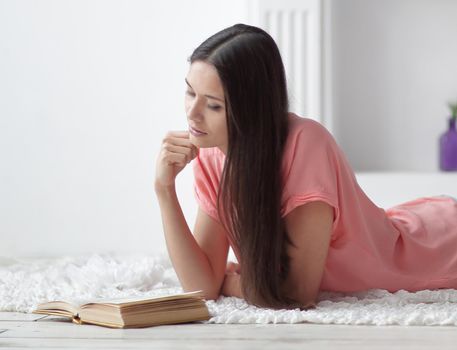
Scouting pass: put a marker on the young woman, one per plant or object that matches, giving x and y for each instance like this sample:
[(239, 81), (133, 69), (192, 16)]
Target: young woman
[(277, 189)]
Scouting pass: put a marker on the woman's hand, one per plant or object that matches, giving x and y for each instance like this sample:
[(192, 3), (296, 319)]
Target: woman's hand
[(233, 268), (177, 151), (231, 287)]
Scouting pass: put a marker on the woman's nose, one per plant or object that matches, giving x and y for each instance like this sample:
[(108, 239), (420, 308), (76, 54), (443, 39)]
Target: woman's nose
[(194, 111)]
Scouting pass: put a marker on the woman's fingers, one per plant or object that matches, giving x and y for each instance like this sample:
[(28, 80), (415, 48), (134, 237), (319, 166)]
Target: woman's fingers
[(177, 151), (180, 138), (231, 286), (232, 268), (187, 152), (178, 142)]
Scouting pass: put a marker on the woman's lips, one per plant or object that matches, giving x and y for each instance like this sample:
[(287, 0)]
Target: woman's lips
[(196, 131)]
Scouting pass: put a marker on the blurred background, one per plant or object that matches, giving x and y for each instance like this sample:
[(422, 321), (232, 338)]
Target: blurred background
[(88, 89)]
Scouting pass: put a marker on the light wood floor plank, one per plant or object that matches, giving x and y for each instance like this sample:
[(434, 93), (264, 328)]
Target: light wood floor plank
[(19, 316), (58, 333), (251, 344)]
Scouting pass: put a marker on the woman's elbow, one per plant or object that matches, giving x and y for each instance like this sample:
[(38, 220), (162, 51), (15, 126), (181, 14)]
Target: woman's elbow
[(209, 294)]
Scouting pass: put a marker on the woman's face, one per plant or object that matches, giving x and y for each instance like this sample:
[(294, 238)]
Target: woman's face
[(205, 106)]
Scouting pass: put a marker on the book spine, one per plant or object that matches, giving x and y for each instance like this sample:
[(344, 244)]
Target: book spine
[(76, 319)]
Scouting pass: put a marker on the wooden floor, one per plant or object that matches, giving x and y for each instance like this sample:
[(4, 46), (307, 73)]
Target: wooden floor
[(34, 331)]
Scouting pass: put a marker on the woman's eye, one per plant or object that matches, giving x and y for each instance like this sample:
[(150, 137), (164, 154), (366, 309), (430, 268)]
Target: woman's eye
[(214, 108)]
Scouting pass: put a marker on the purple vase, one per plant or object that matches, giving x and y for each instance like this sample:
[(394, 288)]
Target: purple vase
[(448, 148)]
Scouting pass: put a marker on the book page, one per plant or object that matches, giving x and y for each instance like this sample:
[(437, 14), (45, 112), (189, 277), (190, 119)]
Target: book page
[(142, 299), (57, 308)]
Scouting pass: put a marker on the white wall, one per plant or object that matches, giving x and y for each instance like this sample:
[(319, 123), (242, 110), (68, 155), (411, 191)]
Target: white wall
[(89, 88), (87, 91), (394, 66)]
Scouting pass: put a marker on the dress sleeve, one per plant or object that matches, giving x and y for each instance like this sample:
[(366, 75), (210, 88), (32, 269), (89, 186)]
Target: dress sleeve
[(206, 183), (311, 171)]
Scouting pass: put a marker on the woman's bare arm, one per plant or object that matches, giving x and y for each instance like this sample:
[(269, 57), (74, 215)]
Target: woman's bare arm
[(199, 261), (310, 228)]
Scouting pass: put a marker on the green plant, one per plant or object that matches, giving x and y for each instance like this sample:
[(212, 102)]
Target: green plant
[(453, 107)]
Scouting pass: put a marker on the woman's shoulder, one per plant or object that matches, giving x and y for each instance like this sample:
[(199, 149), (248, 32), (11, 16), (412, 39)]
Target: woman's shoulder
[(306, 131)]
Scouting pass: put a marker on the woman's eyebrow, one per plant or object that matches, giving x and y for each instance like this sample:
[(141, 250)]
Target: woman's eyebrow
[(209, 96)]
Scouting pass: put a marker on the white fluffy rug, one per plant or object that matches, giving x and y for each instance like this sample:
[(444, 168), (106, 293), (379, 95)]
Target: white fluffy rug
[(26, 282)]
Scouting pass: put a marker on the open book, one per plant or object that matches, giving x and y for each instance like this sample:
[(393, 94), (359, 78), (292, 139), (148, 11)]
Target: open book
[(133, 312)]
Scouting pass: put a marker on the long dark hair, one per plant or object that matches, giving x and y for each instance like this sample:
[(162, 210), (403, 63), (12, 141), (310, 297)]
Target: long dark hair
[(252, 73)]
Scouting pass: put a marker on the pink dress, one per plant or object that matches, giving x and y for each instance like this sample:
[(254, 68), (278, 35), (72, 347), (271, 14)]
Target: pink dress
[(411, 246)]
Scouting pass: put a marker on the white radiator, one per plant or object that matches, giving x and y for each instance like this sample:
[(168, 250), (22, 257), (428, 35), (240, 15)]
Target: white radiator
[(295, 25)]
